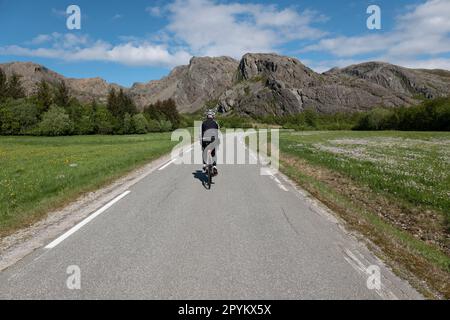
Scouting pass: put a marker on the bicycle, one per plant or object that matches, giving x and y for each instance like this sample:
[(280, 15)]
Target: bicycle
[(209, 170)]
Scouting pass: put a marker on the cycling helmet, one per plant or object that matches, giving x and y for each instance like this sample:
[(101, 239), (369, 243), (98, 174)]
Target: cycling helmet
[(210, 114)]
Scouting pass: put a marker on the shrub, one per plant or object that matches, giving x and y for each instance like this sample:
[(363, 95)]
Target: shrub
[(376, 119), (154, 126), (127, 127), (103, 120), (17, 117), (55, 122), (139, 123), (166, 125)]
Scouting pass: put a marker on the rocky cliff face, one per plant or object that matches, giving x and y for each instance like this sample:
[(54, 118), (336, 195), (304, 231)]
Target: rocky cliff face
[(262, 84), (204, 79), (273, 84)]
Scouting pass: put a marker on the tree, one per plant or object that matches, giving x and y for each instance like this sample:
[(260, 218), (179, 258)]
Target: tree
[(119, 103), (166, 125), (62, 94), (310, 117), (82, 117), (44, 96), (55, 122), (14, 87), (153, 125), (164, 110), (3, 85), (127, 127), (170, 110), (126, 104), (140, 124), (112, 102), (103, 120)]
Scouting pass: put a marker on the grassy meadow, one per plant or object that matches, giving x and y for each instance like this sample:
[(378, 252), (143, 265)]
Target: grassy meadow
[(41, 173), (411, 166), (393, 187)]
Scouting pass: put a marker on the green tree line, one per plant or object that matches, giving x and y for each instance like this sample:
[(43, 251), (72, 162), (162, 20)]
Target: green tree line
[(53, 111), (430, 115)]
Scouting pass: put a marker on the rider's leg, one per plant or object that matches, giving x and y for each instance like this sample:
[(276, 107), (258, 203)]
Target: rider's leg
[(204, 155), (213, 154)]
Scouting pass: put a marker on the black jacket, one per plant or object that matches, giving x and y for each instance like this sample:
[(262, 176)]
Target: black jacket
[(210, 128)]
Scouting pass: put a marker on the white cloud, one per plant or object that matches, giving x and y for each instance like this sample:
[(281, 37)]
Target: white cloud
[(71, 47), (211, 28), (194, 27), (40, 39), (432, 63), (424, 30), (154, 11)]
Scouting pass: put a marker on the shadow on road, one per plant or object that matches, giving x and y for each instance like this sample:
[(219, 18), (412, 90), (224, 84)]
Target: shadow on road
[(200, 175)]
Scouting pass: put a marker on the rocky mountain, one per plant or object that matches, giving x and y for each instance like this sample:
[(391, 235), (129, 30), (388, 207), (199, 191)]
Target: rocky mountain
[(204, 79), (427, 83), (84, 89), (262, 84), (278, 85)]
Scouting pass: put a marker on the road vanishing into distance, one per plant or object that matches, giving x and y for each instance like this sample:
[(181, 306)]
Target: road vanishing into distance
[(168, 237)]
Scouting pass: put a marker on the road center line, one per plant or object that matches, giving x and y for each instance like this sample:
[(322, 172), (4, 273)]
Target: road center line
[(63, 237)]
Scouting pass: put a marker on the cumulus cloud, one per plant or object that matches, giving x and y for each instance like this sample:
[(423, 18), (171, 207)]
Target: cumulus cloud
[(212, 28), (423, 30), (72, 47), (194, 27)]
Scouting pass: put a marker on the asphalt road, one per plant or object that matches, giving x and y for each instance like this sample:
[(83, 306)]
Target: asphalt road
[(249, 237)]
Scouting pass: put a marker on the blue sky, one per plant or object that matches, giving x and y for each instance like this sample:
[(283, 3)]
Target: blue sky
[(137, 41)]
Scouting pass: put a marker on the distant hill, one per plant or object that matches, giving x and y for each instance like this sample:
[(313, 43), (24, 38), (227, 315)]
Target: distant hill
[(278, 85), (262, 84)]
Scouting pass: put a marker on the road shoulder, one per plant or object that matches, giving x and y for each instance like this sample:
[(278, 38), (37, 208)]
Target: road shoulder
[(18, 245)]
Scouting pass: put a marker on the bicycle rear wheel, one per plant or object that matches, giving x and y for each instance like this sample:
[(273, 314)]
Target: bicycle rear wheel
[(209, 177)]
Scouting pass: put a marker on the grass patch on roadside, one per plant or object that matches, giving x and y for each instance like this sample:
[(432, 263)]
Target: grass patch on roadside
[(392, 187), (39, 174)]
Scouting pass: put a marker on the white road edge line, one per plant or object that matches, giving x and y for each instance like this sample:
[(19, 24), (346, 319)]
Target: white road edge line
[(270, 172), (171, 161), (63, 237), (166, 165)]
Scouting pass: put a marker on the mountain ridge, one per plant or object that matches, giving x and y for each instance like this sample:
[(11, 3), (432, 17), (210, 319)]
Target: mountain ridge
[(260, 84)]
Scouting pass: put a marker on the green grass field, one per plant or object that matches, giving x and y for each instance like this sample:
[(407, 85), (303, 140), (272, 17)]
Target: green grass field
[(38, 174), (393, 187), (411, 166)]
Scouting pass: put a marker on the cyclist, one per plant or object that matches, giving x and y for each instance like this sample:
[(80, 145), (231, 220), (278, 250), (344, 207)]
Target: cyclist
[(209, 134)]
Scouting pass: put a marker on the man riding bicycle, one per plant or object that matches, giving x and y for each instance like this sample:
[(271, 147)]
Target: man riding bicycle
[(209, 134)]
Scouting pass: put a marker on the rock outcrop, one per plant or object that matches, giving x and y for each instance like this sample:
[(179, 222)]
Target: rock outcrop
[(278, 85), (428, 83), (204, 79)]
